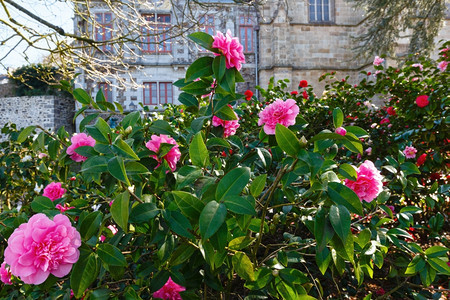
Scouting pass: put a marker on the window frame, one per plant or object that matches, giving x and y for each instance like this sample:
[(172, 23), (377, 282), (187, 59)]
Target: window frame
[(313, 11), (160, 97), (155, 38), (246, 23), (101, 28)]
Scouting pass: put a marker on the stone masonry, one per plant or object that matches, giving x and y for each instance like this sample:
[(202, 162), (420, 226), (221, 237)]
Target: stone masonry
[(50, 112)]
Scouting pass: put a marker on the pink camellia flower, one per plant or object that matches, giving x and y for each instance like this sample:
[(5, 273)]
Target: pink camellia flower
[(384, 121), (368, 182), (378, 61), (170, 291), (229, 126), (231, 48), (62, 209), (113, 229), (341, 131), (171, 157), (42, 155), (5, 274), (422, 101), (42, 247), (78, 140), (443, 65), (54, 191), (279, 112), (410, 152), (391, 111), (420, 66), (369, 151)]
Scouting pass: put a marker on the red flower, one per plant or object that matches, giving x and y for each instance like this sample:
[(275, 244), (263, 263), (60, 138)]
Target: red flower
[(305, 95), (248, 95), (369, 73), (422, 101), (380, 292), (303, 83), (294, 93), (391, 111), (421, 160), (435, 176)]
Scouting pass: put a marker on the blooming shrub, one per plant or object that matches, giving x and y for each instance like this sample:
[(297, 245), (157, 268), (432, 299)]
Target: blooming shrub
[(256, 214), (54, 191), (79, 140)]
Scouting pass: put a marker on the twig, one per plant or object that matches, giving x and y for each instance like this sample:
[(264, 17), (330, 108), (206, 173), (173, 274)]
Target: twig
[(393, 290)]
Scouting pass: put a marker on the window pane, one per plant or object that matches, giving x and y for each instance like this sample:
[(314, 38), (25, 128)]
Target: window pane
[(319, 10), (154, 99), (108, 18), (326, 10), (312, 10), (99, 18)]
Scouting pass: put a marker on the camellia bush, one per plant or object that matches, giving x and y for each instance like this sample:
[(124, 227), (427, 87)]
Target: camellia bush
[(231, 197)]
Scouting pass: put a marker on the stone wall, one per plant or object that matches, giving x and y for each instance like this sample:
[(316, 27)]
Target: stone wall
[(50, 112)]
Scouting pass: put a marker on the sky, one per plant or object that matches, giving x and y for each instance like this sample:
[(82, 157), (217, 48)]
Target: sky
[(53, 11)]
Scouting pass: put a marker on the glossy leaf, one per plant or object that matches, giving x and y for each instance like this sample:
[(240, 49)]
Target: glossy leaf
[(82, 96), (120, 210), (116, 168), (348, 171), (258, 185), (124, 150), (232, 183), (25, 133), (287, 140), (219, 67), (211, 218), (340, 220), (201, 67), (90, 225), (187, 99), (41, 203), (342, 195), (189, 205), (143, 212), (338, 117), (111, 255), (198, 152), (243, 266), (240, 205), (83, 274)]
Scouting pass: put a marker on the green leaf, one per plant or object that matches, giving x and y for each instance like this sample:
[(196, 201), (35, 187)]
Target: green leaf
[(364, 237), (263, 277), (323, 230), (86, 151), (287, 140), (219, 67), (232, 183), (342, 195), (348, 171), (97, 134), (427, 275), (439, 265), (211, 218), (87, 120), (409, 168), (188, 99), (90, 225), (189, 205), (161, 127), (240, 205), (357, 131), (82, 96), (243, 266), (226, 113), (340, 220), (134, 168), (143, 212), (124, 150), (197, 88), (217, 142), (416, 265), (258, 185), (83, 274), (228, 82), (338, 117), (202, 67), (25, 133), (293, 276), (111, 255), (41, 203), (198, 152), (286, 291), (94, 165), (203, 39), (181, 254), (120, 210), (323, 259), (179, 224), (116, 168), (131, 119), (436, 251), (240, 242)]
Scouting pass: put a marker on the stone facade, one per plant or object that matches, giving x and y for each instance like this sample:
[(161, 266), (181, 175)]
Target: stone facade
[(50, 112)]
